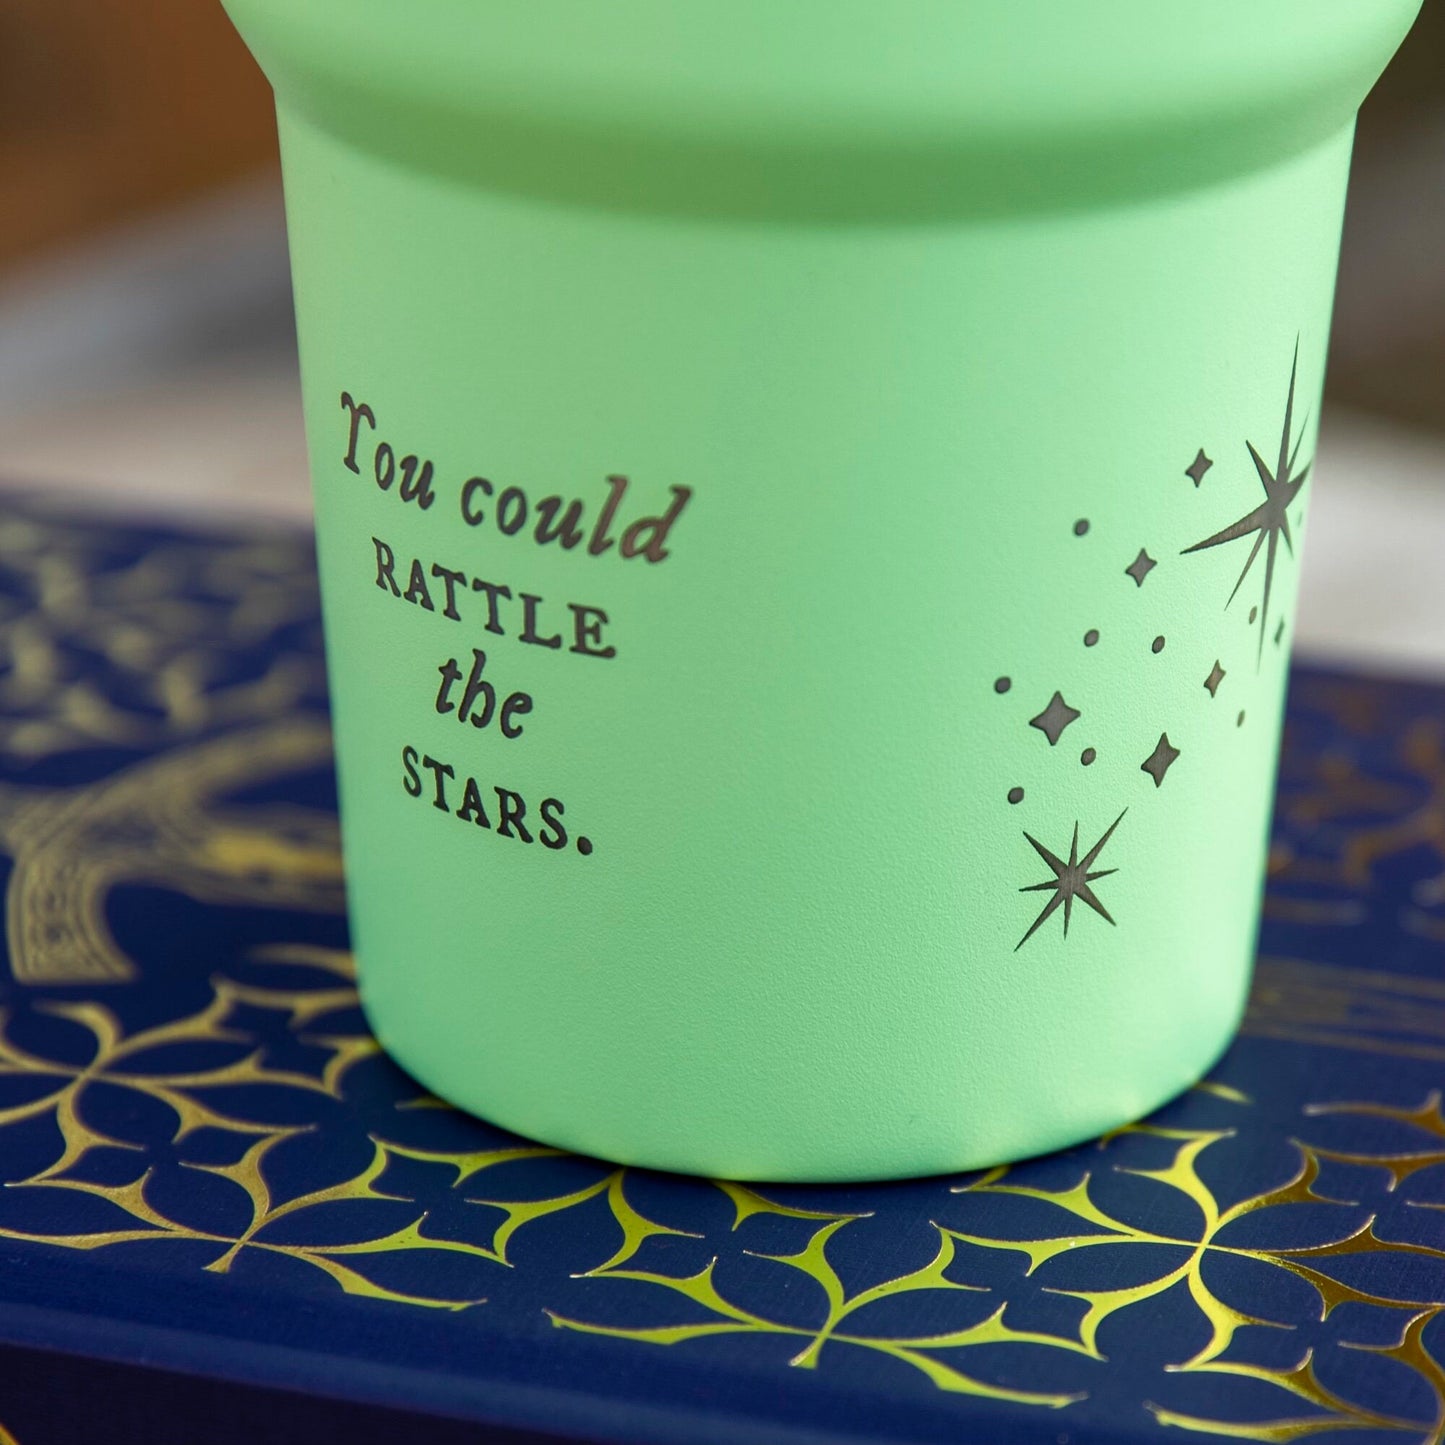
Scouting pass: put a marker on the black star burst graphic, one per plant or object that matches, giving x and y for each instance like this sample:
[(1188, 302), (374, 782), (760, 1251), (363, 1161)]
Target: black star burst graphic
[(1270, 520), (1071, 880)]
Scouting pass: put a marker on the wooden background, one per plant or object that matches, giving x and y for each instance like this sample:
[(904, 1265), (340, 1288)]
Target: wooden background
[(111, 108)]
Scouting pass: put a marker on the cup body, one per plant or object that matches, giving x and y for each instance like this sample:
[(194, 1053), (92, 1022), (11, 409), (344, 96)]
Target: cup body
[(807, 679)]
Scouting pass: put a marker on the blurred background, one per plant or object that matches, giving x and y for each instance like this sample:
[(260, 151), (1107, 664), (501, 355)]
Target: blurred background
[(147, 357)]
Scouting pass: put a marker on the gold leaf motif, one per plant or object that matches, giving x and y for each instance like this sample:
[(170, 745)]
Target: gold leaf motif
[(159, 624), (159, 821), (1410, 1351), (747, 1202), (1408, 816), (1335, 1413), (636, 1228), (333, 960), (812, 1261), (1364, 1010), (1426, 1116), (1181, 1175)]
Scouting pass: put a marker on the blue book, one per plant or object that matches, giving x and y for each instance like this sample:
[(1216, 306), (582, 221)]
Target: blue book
[(227, 1217)]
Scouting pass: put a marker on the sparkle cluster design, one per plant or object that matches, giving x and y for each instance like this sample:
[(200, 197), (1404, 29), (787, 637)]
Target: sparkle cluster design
[(1268, 523)]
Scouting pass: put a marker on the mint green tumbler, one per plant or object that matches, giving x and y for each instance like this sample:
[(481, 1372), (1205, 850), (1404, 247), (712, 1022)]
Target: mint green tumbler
[(809, 503)]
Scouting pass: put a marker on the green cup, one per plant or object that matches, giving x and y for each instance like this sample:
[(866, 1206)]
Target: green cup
[(809, 504)]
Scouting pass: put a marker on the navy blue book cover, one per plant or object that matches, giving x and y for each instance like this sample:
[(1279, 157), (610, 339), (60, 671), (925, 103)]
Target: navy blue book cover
[(226, 1215)]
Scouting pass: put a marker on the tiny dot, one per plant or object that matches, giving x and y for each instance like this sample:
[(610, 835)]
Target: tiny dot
[(1239, 721), (1002, 684), (584, 846), (1157, 645), (1253, 613), (1081, 526), (1087, 756), (1015, 795), (1091, 637)]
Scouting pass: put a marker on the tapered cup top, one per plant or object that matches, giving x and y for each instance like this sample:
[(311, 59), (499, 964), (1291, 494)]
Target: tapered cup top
[(850, 109)]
